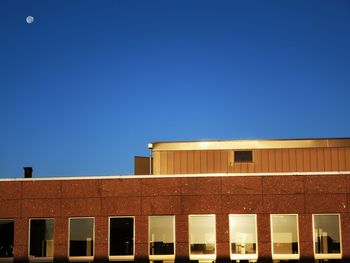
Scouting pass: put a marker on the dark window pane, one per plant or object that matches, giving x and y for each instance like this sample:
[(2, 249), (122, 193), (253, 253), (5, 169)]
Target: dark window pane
[(121, 236), (327, 234), (41, 238), (6, 238), (81, 237), (243, 156)]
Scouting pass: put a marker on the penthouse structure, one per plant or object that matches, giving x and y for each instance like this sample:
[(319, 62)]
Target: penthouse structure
[(202, 201)]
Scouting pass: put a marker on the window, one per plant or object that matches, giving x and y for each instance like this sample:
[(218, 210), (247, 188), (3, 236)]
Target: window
[(6, 238), (121, 238), (327, 236), (285, 237), (243, 237), (202, 237), (41, 243), (243, 156), (161, 236), (81, 239)]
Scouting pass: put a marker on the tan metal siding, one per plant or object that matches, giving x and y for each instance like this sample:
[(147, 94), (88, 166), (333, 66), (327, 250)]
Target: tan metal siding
[(341, 156), (264, 160), (257, 161), (327, 160), (190, 164), (292, 160), (224, 162), (156, 162), (170, 162), (335, 159), (299, 159), (272, 161), (306, 160), (210, 156), (313, 160), (278, 159), (163, 162), (183, 162), (204, 164), (197, 162), (320, 160), (177, 162), (285, 160), (347, 154)]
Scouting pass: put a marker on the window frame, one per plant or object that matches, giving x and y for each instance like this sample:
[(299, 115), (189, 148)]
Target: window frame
[(9, 259), (201, 257), (121, 257), (161, 257), (328, 255), (252, 257), (40, 259), (81, 258), (285, 256)]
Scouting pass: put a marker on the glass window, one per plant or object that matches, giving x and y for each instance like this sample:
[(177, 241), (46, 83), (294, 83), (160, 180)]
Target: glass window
[(202, 236), (243, 237), (243, 156), (327, 237), (6, 238), (285, 236), (81, 237), (161, 236), (41, 242), (121, 238)]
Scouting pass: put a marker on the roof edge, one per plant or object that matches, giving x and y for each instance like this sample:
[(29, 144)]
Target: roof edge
[(119, 177), (251, 144)]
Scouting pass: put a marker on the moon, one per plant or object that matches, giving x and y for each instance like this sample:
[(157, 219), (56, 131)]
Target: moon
[(30, 19)]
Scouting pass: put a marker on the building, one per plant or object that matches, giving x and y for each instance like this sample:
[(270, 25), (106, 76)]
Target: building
[(222, 201)]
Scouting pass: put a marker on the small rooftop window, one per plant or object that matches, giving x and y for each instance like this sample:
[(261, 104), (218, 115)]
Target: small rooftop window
[(243, 156)]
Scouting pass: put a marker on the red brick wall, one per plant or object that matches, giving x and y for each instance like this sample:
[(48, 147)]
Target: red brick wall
[(180, 196)]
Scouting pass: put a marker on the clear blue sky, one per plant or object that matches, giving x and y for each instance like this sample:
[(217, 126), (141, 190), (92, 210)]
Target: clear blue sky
[(86, 86)]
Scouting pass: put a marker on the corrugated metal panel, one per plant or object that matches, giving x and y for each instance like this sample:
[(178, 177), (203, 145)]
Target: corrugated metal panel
[(210, 156), (278, 159), (320, 159), (313, 160), (327, 160), (177, 162), (264, 160), (190, 164), (197, 162), (257, 161), (163, 162), (217, 159), (347, 157), (306, 160), (285, 160), (183, 162), (342, 162), (272, 161), (170, 162), (203, 162), (335, 159)]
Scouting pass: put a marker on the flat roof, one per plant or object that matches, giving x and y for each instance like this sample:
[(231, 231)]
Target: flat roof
[(251, 144), (128, 177)]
